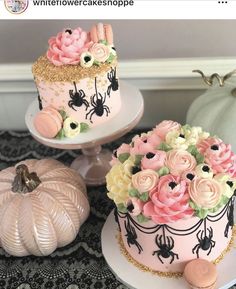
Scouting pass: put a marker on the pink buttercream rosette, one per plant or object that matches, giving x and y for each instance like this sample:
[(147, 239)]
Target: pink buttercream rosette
[(67, 47), (169, 201), (218, 155), (164, 127)]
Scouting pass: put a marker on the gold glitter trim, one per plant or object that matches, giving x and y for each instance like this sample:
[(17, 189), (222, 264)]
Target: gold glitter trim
[(43, 69), (228, 248), (169, 274)]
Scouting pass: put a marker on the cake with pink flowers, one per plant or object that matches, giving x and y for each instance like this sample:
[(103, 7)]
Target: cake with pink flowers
[(174, 191), (78, 79)]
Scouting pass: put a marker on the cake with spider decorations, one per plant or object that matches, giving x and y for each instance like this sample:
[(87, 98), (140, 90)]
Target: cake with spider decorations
[(174, 191), (77, 82)]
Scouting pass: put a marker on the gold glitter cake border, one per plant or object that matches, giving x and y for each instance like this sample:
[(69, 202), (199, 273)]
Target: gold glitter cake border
[(44, 70), (169, 274)]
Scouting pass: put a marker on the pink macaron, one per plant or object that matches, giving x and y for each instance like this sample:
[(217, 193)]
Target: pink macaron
[(48, 122), (200, 274), (101, 32)]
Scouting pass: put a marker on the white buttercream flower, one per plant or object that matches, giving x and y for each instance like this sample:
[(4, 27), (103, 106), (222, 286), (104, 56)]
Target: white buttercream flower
[(229, 184), (176, 140), (112, 50), (86, 59), (204, 171), (71, 127)]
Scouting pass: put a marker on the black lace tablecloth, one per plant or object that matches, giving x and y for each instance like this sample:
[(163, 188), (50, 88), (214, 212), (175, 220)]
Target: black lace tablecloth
[(76, 266)]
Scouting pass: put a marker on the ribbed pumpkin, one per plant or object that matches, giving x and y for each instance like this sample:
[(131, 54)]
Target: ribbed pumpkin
[(215, 110), (42, 206)]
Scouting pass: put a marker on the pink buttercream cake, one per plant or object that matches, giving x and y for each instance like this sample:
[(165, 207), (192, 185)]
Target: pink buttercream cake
[(174, 190), (78, 77)]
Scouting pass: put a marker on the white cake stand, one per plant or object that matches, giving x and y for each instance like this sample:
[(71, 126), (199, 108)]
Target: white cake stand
[(93, 164), (134, 278)]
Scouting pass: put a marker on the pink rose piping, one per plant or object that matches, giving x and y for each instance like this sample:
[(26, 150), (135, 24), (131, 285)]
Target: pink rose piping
[(218, 155), (169, 201), (141, 146), (100, 52), (166, 126), (67, 47), (205, 193), (154, 140), (179, 162), (153, 161), (145, 181)]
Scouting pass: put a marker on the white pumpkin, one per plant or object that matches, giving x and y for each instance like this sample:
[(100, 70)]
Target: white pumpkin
[(42, 206), (215, 111)]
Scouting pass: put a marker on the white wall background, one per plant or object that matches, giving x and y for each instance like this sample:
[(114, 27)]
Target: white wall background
[(23, 41)]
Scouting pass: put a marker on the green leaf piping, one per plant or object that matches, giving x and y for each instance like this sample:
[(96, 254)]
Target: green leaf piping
[(123, 157), (141, 218), (122, 208), (84, 127)]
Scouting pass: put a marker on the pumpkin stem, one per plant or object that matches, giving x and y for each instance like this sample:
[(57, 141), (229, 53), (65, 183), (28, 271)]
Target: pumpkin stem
[(221, 80), (24, 181)]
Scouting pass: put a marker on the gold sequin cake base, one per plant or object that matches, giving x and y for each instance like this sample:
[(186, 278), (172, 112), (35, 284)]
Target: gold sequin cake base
[(170, 274)]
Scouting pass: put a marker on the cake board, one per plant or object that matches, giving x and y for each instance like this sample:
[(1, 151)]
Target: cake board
[(93, 164), (134, 278)]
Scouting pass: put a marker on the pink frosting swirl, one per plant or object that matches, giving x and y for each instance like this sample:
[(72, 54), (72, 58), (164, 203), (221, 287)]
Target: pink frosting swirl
[(166, 126), (205, 193), (100, 52), (141, 146), (145, 181), (169, 201), (218, 155), (179, 162), (124, 148), (153, 161), (154, 140), (67, 46)]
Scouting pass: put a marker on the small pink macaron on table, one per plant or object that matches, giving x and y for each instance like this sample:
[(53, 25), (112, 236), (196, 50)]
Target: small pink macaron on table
[(93, 163), (134, 278)]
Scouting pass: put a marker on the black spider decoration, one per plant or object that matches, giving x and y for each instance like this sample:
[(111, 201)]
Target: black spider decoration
[(230, 216), (113, 80), (132, 236), (98, 104), (117, 219), (165, 248), (40, 102), (205, 242), (77, 98)]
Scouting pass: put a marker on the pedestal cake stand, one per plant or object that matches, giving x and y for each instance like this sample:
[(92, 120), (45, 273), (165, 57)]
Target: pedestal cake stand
[(93, 164), (134, 278)]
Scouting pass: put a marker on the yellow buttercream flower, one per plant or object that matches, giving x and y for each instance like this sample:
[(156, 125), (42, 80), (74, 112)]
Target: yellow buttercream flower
[(119, 181), (185, 137)]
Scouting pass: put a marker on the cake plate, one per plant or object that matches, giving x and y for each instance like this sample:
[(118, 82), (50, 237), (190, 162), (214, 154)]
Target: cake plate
[(134, 278), (93, 164)]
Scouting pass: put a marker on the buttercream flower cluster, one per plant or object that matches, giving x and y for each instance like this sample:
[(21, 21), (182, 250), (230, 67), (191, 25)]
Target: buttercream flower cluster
[(73, 47), (171, 173)]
